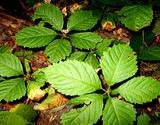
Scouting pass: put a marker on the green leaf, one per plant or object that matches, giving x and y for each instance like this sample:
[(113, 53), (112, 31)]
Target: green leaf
[(82, 20), (73, 78), (103, 46), (80, 56), (85, 40), (51, 14), (58, 50), (136, 17), (88, 114), (92, 60), (35, 36), (5, 49), (156, 29), (140, 90), (8, 118), (150, 54), (117, 112), (25, 111), (10, 65), (118, 64), (143, 119), (12, 89)]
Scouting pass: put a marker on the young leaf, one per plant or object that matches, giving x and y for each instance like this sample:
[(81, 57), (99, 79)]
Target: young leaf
[(10, 65), (73, 78), (12, 89), (136, 17), (5, 49), (8, 118), (25, 111), (35, 36), (143, 119), (103, 46), (117, 112), (88, 115), (82, 20), (150, 54), (51, 14), (80, 56), (118, 64), (59, 49), (92, 60), (140, 90), (85, 40), (156, 29)]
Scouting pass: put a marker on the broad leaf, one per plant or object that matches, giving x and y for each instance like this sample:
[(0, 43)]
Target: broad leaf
[(35, 36), (12, 89), (10, 65), (150, 54), (82, 20), (118, 64), (25, 111), (51, 14), (143, 120), (136, 17), (117, 112), (88, 114), (59, 49), (80, 56), (103, 46), (73, 78), (92, 60), (85, 40), (8, 118), (140, 90)]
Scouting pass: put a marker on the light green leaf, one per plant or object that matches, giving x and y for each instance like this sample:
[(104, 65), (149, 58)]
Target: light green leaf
[(73, 77), (25, 111), (140, 90), (143, 119), (12, 89), (35, 36), (88, 114), (136, 17), (117, 112), (8, 118), (10, 65), (92, 60), (118, 64), (85, 40), (82, 20), (150, 54), (80, 56), (51, 14), (58, 50), (103, 46)]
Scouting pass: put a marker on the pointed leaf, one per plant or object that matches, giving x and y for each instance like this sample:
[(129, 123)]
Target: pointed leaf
[(136, 17), (80, 56), (82, 20), (88, 115), (117, 112), (73, 78), (35, 36), (85, 40), (12, 89), (59, 49), (118, 64), (92, 60), (10, 65), (140, 90), (51, 14)]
